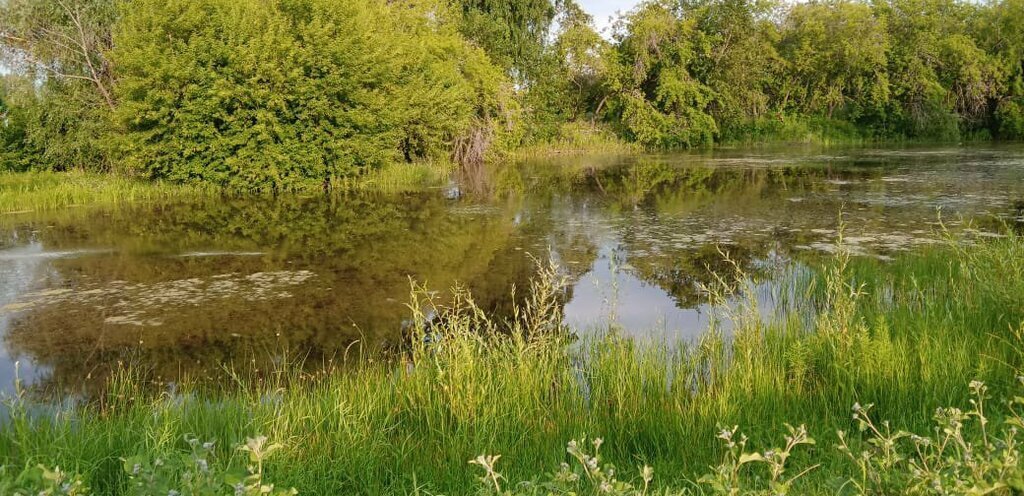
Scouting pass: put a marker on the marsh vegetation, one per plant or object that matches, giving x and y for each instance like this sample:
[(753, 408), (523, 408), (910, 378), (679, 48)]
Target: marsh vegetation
[(477, 247), (891, 340)]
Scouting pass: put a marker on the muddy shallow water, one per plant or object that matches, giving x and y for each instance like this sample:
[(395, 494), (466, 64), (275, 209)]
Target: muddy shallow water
[(185, 287)]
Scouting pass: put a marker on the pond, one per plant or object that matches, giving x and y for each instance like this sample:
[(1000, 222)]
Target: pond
[(188, 288)]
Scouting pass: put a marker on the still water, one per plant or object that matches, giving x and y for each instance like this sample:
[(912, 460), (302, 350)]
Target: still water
[(184, 288)]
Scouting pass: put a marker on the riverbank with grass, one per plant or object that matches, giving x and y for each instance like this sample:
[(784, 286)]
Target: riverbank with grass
[(38, 191), (869, 348), (579, 138), (22, 192)]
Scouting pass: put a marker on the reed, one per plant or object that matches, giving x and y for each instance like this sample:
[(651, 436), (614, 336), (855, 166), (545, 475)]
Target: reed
[(32, 191)]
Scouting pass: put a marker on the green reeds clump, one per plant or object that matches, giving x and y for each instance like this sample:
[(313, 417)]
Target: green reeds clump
[(579, 138), (906, 336), (31, 191), (42, 191), (403, 177)]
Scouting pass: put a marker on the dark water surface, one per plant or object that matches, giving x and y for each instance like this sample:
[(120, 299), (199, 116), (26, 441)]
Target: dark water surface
[(188, 287)]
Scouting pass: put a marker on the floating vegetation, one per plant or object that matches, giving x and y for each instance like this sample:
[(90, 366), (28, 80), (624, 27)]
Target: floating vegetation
[(142, 304)]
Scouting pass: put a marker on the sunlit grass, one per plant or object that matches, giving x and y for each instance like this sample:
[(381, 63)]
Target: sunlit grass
[(579, 138), (34, 191), (43, 191), (906, 336), (402, 177)]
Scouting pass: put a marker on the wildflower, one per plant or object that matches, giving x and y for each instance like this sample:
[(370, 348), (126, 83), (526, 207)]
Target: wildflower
[(136, 469), (208, 445), (203, 465), (647, 473), (605, 487), (173, 492), (239, 489), (725, 434), (592, 463), (597, 443), (571, 446), (769, 454)]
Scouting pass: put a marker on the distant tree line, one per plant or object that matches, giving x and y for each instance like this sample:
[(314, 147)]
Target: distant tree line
[(277, 94)]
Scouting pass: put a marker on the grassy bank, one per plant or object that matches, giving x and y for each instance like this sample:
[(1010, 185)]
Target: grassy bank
[(579, 138), (906, 337), (30, 191), (41, 191)]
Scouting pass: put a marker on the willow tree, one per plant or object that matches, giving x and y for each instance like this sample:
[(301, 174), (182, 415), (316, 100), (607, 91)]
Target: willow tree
[(736, 55), (836, 54), (58, 52), (1000, 30), (269, 95), (656, 98), (512, 32)]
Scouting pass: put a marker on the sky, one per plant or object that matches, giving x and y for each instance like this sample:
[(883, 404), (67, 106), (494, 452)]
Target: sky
[(603, 9)]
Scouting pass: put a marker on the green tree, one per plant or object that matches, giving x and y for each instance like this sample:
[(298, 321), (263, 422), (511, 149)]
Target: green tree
[(567, 82), (59, 49), (919, 31), (836, 54), (1001, 29), (265, 95), (737, 56), (512, 32), (657, 101)]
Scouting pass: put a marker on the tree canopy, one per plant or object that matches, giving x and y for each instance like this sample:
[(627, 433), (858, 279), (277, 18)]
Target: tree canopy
[(278, 94)]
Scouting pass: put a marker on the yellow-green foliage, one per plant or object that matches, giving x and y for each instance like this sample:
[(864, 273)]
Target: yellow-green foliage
[(264, 95), (53, 190)]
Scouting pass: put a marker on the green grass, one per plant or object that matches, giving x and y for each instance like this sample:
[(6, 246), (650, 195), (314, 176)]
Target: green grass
[(578, 138), (32, 191), (796, 130), (400, 177), (43, 191), (907, 336)]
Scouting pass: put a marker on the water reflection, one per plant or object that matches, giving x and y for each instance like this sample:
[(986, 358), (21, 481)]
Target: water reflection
[(187, 287)]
